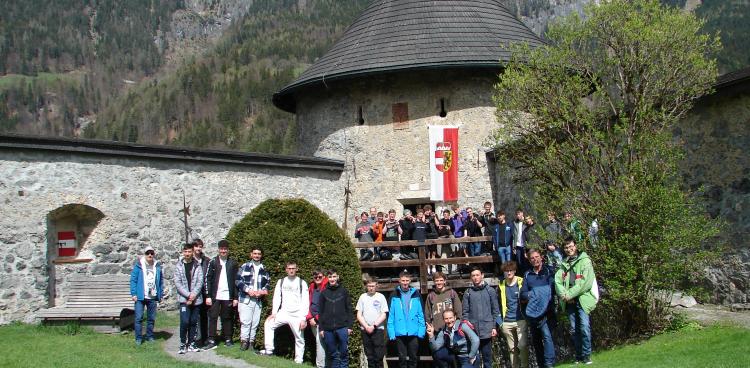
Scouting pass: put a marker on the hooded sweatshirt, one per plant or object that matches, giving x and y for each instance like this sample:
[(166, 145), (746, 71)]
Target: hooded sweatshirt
[(481, 308), (335, 308), (439, 302)]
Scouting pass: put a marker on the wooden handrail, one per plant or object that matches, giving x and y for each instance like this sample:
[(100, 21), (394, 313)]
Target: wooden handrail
[(414, 243), (422, 262)]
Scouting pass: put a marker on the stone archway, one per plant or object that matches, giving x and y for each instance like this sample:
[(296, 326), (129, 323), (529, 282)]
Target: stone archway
[(68, 228)]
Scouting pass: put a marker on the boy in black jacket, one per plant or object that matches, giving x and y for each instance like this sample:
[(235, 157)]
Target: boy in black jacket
[(221, 295), (335, 318)]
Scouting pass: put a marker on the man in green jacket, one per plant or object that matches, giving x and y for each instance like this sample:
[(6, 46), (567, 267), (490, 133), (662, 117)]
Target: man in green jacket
[(575, 284)]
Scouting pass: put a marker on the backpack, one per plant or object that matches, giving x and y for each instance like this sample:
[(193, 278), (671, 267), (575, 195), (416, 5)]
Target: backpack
[(465, 322)]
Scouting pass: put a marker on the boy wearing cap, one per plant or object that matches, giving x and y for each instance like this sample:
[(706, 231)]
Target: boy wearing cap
[(146, 282), (221, 295)]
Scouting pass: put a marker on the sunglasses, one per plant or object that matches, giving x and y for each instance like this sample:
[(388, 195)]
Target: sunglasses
[(150, 253), (318, 277)]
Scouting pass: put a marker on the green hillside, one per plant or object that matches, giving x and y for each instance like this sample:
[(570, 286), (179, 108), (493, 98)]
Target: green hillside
[(222, 100), (93, 68)]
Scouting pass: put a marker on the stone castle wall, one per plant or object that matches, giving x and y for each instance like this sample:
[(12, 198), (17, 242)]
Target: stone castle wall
[(387, 163), (716, 137), (140, 199)]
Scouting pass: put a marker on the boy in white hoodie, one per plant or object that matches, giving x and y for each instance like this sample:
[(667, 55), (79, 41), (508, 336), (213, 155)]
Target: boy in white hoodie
[(290, 306)]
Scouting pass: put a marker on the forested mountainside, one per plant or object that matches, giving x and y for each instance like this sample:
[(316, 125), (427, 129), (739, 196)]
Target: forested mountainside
[(201, 72)]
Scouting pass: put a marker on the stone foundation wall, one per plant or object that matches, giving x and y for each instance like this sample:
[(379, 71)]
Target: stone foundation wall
[(140, 200)]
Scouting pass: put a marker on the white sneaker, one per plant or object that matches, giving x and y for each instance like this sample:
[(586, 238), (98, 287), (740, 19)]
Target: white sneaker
[(265, 352)]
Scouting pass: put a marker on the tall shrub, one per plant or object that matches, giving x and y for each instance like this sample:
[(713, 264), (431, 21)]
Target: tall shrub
[(587, 122), (295, 230)]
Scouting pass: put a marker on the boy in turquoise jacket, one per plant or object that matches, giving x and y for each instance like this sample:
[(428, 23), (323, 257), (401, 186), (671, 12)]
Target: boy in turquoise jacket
[(406, 321)]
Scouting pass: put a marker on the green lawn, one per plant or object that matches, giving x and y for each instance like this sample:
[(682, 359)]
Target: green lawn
[(708, 347), (58, 346)]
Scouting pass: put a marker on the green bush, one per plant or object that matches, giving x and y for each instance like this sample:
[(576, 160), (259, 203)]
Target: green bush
[(295, 230)]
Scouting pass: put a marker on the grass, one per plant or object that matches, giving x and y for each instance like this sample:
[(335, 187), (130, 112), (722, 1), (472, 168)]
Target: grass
[(73, 346), (262, 361), (16, 80), (715, 346)]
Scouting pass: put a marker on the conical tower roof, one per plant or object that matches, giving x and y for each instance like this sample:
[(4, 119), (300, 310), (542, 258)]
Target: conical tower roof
[(394, 35)]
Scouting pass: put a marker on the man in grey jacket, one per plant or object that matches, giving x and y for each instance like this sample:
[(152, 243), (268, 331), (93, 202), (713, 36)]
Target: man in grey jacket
[(188, 278), (482, 309)]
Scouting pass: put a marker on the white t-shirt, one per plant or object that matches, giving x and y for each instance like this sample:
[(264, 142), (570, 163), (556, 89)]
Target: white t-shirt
[(371, 307), (222, 291)]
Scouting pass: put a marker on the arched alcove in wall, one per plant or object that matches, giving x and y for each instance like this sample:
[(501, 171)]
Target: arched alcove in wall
[(68, 228)]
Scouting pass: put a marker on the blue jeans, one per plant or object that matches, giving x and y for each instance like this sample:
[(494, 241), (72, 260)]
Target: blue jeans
[(580, 330), (444, 358), (337, 347), (485, 351), (504, 253), (541, 338), (475, 249), (521, 259), (150, 306), (189, 315)]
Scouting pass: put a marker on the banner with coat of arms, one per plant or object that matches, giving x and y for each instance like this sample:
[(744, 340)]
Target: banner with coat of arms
[(443, 163)]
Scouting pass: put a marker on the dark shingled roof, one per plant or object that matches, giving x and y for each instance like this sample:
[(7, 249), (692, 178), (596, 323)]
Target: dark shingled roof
[(14, 142), (393, 35)]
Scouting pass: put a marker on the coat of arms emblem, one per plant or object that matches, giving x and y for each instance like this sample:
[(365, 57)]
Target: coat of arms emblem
[(443, 156)]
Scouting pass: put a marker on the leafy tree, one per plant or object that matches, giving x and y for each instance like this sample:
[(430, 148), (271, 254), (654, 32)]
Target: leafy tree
[(295, 230), (587, 123)]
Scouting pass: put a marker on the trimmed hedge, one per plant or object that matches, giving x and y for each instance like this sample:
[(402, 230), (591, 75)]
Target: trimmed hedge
[(296, 230)]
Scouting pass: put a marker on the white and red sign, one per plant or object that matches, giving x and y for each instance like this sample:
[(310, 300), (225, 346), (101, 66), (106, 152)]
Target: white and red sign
[(66, 243), (443, 163)]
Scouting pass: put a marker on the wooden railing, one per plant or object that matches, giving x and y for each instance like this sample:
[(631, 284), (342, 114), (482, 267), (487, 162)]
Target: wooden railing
[(422, 262)]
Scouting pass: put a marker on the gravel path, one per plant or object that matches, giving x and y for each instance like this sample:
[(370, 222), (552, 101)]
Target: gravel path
[(208, 357), (707, 314)]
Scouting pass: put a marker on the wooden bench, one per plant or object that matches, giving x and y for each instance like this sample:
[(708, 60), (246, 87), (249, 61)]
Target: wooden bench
[(102, 302)]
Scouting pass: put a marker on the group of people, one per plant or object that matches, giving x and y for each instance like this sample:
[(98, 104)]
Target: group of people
[(510, 238), (459, 329)]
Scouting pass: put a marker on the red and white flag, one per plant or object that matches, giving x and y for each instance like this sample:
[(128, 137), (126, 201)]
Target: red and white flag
[(443, 163), (66, 243)]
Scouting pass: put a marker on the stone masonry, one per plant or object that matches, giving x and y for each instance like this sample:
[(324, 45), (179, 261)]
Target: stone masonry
[(140, 199)]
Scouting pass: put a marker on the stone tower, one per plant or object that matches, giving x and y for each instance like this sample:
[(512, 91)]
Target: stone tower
[(400, 67)]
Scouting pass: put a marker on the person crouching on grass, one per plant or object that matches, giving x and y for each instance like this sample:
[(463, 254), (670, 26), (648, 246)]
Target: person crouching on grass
[(335, 321)]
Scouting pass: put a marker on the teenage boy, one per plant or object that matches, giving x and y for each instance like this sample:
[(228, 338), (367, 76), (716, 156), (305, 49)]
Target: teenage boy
[(441, 298), (372, 310), (514, 323), (146, 283), (364, 235), (406, 321), (445, 231), (487, 217), (503, 236), (252, 285), (315, 289), (188, 278), (221, 295), (575, 284), (519, 240), (473, 227), (537, 290), (481, 308), (336, 321), (455, 342), (391, 231), (290, 306), (201, 334)]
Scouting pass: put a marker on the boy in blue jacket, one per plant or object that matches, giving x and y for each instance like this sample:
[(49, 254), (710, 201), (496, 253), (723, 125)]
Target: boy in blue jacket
[(406, 321), (146, 281)]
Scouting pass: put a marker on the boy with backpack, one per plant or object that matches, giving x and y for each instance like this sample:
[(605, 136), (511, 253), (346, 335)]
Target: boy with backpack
[(290, 307), (455, 342), (481, 308)]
